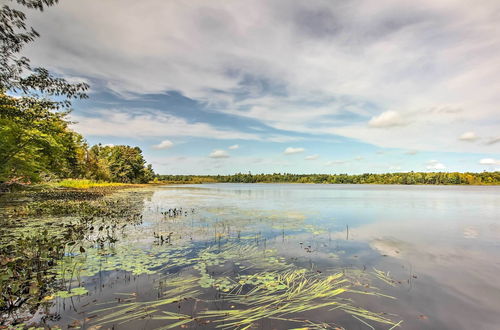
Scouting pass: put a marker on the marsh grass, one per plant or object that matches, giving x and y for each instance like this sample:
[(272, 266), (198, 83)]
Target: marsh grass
[(276, 295), (176, 289), (87, 184), (257, 284)]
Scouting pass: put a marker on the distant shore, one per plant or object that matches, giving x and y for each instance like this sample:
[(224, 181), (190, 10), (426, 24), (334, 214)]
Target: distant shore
[(405, 178)]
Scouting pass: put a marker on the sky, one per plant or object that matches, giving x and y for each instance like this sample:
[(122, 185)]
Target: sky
[(263, 86)]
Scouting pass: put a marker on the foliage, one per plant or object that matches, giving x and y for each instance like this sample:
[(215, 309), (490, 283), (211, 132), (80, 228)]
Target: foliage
[(37, 85), (442, 178), (33, 126), (118, 164), (36, 141)]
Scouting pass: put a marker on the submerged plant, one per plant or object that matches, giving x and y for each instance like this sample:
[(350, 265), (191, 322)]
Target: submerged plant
[(278, 294), (233, 270), (176, 289)]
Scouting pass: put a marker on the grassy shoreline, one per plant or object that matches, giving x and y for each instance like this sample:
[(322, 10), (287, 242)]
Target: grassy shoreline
[(108, 187)]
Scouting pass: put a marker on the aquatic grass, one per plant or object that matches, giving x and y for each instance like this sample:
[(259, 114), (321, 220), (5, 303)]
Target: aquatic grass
[(270, 294), (175, 289), (287, 293), (384, 277)]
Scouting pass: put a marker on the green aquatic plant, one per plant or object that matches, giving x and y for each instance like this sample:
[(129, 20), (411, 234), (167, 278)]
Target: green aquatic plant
[(235, 263), (384, 277), (71, 293), (127, 258), (37, 238), (278, 294), (257, 283), (242, 257), (175, 289)]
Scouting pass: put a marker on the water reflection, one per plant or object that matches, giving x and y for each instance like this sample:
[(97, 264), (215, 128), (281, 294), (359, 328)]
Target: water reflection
[(434, 249)]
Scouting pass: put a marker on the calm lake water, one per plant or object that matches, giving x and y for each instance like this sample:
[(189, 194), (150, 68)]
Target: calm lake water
[(428, 256)]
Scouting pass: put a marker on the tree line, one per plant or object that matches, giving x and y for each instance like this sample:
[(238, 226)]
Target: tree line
[(441, 178), (36, 141)]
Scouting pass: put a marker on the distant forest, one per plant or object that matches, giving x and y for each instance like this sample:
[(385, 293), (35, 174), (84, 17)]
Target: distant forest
[(441, 178)]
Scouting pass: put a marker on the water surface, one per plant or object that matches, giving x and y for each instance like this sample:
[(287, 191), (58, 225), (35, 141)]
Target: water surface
[(436, 246)]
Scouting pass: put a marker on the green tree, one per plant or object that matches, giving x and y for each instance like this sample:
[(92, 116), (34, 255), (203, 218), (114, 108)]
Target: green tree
[(35, 141), (34, 133)]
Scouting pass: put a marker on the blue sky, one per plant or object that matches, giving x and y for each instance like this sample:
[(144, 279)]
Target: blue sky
[(217, 87)]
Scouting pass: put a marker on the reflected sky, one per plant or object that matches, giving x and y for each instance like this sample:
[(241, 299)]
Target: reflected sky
[(439, 245), (445, 239)]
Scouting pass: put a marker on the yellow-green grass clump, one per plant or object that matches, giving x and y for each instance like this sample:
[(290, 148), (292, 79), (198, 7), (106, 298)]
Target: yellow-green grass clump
[(86, 184)]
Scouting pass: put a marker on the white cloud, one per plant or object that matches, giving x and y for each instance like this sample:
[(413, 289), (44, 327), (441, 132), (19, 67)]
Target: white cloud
[(359, 158), (291, 150), (312, 157), (234, 147), (469, 137), (387, 119), (217, 153), (411, 152), (165, 144), (151, 123), (435, 165), (428, 59), (489, 161)]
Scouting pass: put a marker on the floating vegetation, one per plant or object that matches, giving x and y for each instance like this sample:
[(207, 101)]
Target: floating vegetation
[(32, 247), (278, 294), (127, 258), (71, 293), (384, 277), (260, 295), (199, 267), (175, 290)]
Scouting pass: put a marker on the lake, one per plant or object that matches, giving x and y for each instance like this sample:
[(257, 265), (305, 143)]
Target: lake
[(282, 256)]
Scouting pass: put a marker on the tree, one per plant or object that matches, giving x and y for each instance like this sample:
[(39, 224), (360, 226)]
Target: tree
[(34, 104), (36, 141), (16, 73)]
